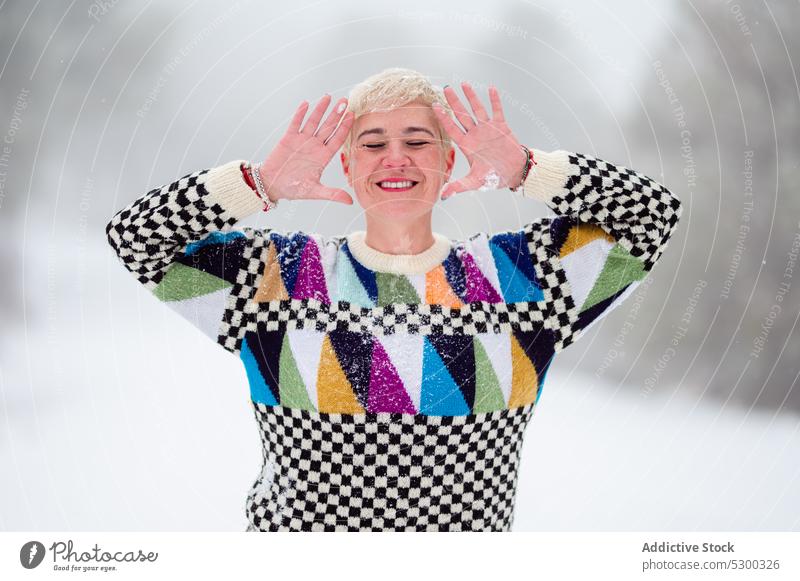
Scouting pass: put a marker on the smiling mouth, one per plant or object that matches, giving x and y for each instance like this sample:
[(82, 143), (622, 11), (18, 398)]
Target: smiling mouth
[(397, 186)]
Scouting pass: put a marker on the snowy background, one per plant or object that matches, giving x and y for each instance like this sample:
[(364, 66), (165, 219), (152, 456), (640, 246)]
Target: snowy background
[(115, 414)]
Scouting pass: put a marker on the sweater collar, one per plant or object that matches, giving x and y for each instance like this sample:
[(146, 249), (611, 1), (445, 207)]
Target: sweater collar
[(399, 263)]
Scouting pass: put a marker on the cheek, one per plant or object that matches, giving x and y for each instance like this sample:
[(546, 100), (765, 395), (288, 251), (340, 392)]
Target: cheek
[(434, 165), (361, 173), (362, 164)]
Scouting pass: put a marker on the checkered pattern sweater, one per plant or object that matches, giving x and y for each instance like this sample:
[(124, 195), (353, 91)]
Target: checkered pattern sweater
[(391, 392)]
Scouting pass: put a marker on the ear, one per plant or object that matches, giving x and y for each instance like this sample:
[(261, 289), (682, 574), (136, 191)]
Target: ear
[(450, 160), (345, 166)]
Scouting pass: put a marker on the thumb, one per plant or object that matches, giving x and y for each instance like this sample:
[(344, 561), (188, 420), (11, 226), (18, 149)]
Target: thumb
[(465, 184), (334, 195)]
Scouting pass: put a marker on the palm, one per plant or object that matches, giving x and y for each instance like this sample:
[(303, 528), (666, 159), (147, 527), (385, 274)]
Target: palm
[(294, 168), (303, 161), (495, 156)]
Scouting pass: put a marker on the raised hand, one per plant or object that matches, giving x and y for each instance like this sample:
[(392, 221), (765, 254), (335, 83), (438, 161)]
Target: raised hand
[(294, 168), (496, 159)]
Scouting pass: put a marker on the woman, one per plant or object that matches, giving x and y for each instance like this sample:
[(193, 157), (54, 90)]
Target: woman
[(392, 371)]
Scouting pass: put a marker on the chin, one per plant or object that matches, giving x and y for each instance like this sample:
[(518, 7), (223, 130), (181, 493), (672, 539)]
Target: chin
[(402, 207), (399, 206)]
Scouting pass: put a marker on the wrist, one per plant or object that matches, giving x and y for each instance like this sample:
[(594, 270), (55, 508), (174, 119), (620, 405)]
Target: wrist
[(255, 179), (526, 164), (266, 181), (519, 177)]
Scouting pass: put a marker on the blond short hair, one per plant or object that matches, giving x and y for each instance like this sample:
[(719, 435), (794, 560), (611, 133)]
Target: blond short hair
[(392, 88)]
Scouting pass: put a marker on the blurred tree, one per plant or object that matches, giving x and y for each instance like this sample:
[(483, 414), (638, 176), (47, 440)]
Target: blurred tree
[(731, 69)]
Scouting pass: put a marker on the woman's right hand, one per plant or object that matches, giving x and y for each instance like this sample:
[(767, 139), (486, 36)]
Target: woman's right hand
[(294, 168)]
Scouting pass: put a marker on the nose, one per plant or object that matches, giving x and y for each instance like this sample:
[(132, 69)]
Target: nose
[(395, 155)]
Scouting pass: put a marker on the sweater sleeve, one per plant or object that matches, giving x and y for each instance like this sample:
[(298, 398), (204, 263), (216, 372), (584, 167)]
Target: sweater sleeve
[(178, 241), (612, 225)]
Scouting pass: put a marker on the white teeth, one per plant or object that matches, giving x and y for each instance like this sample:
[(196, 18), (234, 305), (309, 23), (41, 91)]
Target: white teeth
[(396, 185)]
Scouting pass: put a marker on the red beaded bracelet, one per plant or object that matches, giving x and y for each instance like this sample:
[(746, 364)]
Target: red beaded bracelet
[(248, 178)]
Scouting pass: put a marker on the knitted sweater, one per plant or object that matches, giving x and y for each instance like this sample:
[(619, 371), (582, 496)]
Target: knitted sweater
[(392, 392)]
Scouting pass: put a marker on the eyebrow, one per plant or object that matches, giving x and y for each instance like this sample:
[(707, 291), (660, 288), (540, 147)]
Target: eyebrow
[(407, 130)]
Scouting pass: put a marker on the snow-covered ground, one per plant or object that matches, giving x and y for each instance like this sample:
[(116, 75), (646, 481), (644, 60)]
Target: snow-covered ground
[(596, 459), (118, 415)]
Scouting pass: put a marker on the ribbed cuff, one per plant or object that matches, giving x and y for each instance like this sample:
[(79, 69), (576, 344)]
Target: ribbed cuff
[(549, 176), (226, 186)]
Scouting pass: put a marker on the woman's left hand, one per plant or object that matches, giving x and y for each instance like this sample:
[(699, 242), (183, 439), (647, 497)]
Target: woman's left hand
[(496, 159)]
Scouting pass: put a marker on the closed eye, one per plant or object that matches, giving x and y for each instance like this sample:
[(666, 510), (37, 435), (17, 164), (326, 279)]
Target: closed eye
[(412, 143)]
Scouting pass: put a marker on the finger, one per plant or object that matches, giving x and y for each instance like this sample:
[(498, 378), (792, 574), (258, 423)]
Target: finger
[(336, 140), (310, 128), (450, 127), (497, 105), (332, 194), (336, 113), (458, 108), (476, 104), (294, 124), (467, 183)]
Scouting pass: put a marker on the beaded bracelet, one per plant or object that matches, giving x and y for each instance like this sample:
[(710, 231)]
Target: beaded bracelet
[(529, 163), (247, 176), (262, 191), (252, 176)]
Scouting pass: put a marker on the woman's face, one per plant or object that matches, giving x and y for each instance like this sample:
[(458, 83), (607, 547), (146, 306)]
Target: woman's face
[(388, 150)]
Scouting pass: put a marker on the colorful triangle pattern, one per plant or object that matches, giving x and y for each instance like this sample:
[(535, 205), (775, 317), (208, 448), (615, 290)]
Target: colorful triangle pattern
[(598, 269), (494, 270), (363, 373), (346, 372)]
